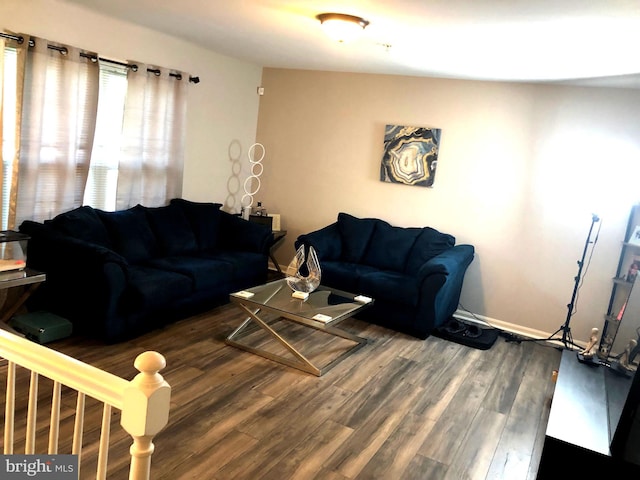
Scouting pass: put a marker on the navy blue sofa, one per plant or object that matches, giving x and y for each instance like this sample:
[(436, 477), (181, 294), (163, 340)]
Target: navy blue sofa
[(116, 275), (414, 275)]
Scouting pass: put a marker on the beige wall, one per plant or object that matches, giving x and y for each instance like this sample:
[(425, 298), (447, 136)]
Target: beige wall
[(222, 108), (521, 169)]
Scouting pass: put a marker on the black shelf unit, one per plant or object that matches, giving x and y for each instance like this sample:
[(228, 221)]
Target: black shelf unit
[(621, 290)]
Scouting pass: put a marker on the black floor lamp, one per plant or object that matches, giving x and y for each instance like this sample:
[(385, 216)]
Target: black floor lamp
[(567, 339)]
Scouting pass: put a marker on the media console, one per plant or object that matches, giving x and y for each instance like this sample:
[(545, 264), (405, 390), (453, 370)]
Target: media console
[(593, 423)]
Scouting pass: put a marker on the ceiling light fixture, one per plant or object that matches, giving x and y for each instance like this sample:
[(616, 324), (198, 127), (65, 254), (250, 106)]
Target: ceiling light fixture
[(342, 27)]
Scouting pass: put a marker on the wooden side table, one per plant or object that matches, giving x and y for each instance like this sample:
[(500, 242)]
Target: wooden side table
[(278, 237)]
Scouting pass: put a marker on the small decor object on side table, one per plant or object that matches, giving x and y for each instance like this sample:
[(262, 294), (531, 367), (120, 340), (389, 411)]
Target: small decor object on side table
[(623, 364), (298, 282), (588, 354)]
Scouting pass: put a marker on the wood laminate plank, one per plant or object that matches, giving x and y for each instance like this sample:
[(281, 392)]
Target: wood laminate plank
[(450, 428), (376, 357), (381, 391), (423, 468), (473, 458), (536, 453), (399, 450), (514, 454), (282, 425), (509, 372), (547, 360), (368, 439), (295, 410), (329, 475), (219, 452), (443, 384), (308, 458)]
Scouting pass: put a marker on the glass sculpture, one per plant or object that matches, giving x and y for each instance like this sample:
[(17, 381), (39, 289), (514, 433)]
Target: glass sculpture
[(304, 276)]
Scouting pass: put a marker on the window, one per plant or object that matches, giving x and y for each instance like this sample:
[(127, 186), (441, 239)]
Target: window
[(103, 134), (100, 191)]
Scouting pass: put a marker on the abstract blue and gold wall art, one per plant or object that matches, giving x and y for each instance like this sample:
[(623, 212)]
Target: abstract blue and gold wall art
[(410, 155)]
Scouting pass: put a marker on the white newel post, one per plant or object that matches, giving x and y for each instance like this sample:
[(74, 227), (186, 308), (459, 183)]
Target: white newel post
[(145, 411)]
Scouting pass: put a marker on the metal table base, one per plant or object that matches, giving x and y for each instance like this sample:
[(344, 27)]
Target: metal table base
[(301, 362)]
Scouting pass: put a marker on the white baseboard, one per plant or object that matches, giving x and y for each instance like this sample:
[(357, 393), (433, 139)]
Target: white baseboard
[(509, 327)]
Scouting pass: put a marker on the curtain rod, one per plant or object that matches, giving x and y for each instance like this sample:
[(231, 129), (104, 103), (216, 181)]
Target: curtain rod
[(95, 58)]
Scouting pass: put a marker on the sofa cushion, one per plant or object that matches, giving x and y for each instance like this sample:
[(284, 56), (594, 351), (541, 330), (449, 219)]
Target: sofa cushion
[(247, 265), (326, 242), (172, 230), (355, 234), (239, 234), (389, 246), (204, 272), (84, 224), (342, 275), (204, 219), (391, 287), (428, 244), (151, 289), (130, 233)]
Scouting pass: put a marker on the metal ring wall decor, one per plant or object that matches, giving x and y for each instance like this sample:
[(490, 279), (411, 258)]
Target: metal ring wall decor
[(256, 170)]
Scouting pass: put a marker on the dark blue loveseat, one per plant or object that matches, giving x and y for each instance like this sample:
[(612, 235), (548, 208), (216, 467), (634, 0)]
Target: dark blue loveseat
[(415, 275), (118, 274)]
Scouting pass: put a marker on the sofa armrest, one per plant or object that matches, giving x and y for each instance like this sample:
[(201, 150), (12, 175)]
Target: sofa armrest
[(239, 234), (85, 281), (327, 242), (441, 280), (450, 262), (49, 249)]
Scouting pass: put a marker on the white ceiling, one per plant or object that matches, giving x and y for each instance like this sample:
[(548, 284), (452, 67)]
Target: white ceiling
[(592, 42)]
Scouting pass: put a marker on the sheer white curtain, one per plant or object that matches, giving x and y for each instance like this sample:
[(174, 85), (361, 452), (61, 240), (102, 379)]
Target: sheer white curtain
[(152, 156), (58, 122), (11, 91)]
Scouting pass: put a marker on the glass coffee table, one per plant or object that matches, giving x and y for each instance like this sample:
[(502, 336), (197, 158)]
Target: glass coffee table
[(323, 310)]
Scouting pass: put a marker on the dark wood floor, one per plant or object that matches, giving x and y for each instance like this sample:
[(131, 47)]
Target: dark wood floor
[(399, 408)]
